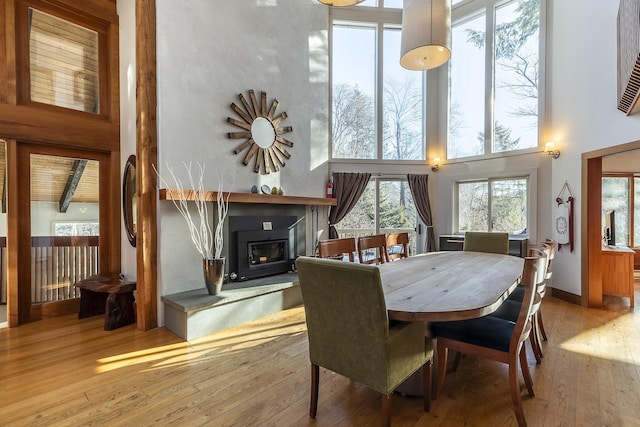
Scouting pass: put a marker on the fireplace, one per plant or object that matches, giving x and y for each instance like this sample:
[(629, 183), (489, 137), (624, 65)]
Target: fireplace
[(260, 246)]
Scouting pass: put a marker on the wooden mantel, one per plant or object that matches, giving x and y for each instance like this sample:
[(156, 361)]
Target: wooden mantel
[(167, 193)]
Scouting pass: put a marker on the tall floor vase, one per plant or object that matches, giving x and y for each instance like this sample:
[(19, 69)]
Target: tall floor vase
[(213, 274)]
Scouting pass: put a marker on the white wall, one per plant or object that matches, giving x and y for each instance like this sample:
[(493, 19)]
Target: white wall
[(208, 53), (581, 97), (126, 13), (43, 214)]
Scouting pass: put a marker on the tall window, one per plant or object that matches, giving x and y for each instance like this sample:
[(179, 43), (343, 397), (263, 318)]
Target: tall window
[(386, 206), (493, 205), (499, 113), (377, 108)]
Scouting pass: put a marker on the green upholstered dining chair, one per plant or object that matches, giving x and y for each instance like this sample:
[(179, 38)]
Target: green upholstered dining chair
[(495, 338), (349, 333), (489, 242)]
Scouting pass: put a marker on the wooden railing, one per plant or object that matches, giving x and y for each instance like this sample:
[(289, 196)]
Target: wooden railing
[(57, 262)]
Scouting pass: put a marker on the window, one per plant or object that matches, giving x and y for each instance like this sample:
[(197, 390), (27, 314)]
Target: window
[(493, 205), (74, 228), (622, 194), (386, 206), (377, 108), (500, 113), (63, 63)]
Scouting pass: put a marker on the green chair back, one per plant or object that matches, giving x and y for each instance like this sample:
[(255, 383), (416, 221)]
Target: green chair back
[(348, 327), (489, 242)]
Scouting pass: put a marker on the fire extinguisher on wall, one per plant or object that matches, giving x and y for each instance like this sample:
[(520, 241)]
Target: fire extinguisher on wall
[(329, 189)]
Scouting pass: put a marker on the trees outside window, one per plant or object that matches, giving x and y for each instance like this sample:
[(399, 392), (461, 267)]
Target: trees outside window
[(377, 107), (386, 206), (497, 114), (493, 205)]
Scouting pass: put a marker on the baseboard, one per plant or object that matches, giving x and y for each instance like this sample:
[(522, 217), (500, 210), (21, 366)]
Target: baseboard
[(566, 296)]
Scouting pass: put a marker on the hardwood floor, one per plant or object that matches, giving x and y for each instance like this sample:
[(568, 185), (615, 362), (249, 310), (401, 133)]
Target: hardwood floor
[(67, 371)]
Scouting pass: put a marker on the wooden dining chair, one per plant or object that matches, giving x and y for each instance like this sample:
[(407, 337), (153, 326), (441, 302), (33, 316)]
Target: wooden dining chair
[(488, 242), (398, 245), (510, 309), (494, 338), (376, 244), (336, 248), (349, 333)]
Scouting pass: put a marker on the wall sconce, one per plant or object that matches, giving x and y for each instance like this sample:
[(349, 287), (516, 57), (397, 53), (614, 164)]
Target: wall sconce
[(436, 164), (550, 149), (340, 3)]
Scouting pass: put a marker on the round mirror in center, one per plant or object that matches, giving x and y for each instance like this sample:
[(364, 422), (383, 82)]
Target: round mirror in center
[(262, 132)]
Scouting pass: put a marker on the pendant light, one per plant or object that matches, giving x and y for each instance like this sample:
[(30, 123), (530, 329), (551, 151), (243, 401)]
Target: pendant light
[(340, 2), (426, 34)]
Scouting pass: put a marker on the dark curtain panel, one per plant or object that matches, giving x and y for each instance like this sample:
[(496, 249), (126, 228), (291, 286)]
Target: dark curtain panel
[(420, 193), (347, 189)]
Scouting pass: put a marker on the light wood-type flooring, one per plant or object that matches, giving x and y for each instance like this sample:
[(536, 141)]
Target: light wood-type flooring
[(69, 372)]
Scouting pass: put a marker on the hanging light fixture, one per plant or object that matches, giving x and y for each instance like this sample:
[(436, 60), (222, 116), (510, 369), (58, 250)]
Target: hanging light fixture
[(340, 2), (426, 34)]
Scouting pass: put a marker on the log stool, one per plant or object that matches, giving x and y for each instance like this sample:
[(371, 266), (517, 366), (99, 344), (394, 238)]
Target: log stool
[(109, 294)]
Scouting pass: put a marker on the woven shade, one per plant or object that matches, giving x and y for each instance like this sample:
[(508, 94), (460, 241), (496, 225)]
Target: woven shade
[(426, 34)]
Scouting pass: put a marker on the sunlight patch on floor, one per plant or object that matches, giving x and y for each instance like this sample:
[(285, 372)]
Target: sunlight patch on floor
[(590, 343)]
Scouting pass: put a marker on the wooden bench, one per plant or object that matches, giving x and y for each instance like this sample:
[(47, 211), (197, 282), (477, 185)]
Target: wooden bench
[(109, 294)]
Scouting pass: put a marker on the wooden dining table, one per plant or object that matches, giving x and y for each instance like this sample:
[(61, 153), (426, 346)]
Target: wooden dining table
[(452, 285)]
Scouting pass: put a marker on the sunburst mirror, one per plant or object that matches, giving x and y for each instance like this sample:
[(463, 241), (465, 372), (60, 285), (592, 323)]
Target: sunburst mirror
[(263, 132)]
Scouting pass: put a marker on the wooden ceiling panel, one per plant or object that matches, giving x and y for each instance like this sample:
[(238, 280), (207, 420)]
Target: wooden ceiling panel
[(49, 176)]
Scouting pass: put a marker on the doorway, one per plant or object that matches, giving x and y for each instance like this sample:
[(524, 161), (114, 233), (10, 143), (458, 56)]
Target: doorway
[(591, 224), (64, 228)]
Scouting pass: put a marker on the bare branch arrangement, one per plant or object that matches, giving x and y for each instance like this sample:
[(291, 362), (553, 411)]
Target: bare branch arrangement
[(208, 244)]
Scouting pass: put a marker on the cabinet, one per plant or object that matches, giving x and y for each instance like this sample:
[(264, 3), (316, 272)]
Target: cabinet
[(617, 271), (454, 242)]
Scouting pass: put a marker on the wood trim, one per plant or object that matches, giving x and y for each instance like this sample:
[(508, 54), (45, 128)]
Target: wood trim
[(169, 193), (54, 309), (58, 126), (113, 90), (18, 301), (147, 157), (592, 226), (3, 51), (586, 241), (566, 296), (106, 10)]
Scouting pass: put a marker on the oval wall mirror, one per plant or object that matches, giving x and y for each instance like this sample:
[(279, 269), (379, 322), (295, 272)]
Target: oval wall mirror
[(129, 200)]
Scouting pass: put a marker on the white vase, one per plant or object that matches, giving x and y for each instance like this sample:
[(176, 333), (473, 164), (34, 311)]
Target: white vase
[(213, 274)]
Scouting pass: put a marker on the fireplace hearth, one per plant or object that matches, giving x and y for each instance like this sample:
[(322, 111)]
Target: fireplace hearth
[(260, 246)]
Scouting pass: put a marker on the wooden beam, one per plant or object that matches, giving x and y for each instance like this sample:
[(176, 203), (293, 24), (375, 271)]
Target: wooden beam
[(591, 232), (72, 183), (147, 157)]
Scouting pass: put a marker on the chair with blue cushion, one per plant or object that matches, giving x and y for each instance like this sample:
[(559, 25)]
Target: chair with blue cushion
[(376, 244), (510, 309), (494, 338), (398, 245), (349, 333), (488, 242)]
